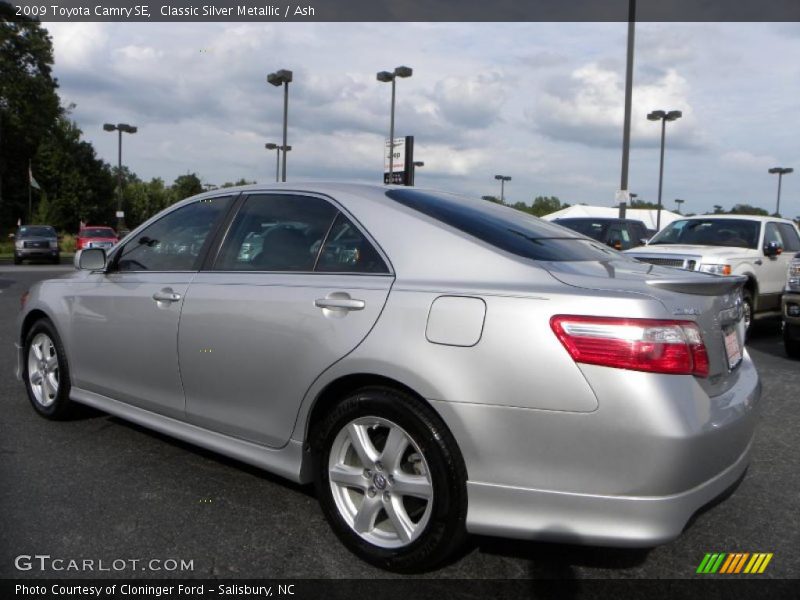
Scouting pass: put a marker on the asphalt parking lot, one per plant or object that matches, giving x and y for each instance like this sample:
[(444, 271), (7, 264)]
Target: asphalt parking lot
[(100, 488)]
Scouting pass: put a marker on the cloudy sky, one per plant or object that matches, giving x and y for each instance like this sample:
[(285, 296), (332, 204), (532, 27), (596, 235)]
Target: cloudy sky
[(540, 102)]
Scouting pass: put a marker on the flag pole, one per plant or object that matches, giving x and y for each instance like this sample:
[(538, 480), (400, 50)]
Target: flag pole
[(30, 201)]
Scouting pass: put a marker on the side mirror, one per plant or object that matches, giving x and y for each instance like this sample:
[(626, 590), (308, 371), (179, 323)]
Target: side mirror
[(91, 259), (772, 249)]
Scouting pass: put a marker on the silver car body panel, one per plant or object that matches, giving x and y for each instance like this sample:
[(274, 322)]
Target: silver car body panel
[(553, 449), (261, 326)]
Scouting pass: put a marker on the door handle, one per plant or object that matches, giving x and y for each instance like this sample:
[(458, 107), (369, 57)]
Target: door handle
[(340, 303), (166, 295), (758, 261)]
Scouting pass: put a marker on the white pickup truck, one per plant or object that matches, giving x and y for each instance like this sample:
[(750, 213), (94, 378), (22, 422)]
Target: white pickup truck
[(760, 248)]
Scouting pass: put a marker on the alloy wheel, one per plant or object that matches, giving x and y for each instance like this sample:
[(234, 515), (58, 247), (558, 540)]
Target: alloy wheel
[(43, 373), (380, 482)]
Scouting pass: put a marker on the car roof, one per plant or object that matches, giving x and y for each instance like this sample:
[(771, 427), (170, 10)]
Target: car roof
[(760, 218)]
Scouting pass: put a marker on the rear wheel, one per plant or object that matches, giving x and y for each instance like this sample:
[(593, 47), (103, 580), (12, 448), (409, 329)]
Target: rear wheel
[(46, 373), (791, 340), (17, 260), (390, 479)]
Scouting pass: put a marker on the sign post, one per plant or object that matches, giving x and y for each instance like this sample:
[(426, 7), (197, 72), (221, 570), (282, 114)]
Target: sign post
[(403, 163)]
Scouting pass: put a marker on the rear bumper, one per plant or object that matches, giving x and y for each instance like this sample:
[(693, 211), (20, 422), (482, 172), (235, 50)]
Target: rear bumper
[(631, 473), (623, 521)]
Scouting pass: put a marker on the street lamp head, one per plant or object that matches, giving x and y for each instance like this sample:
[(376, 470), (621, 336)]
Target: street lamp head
[(286, 148), (673, 115), (781, 170), (656, 115), (271, 146), (502, 178), (110, 127), (280, 77), (385, 76), (419, 163), (403, 71), (127, 128)]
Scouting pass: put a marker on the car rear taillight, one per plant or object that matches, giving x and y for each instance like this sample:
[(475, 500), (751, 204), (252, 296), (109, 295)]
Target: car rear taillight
[(657, 346)]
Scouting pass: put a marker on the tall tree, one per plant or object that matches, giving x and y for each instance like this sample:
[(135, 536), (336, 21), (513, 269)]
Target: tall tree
[(186, 185), (29, 106)]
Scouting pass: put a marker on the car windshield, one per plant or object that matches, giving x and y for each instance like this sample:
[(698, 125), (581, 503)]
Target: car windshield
[(102, 232), (503, 227), (739, 233), (36, 231)]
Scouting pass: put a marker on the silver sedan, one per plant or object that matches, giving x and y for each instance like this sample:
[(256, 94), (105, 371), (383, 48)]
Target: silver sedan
[(435, 365)]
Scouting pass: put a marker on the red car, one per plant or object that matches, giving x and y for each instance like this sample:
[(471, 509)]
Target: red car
[(96, 237)]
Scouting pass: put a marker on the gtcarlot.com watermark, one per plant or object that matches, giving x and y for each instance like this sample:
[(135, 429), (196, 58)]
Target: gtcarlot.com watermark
[(46, 563)]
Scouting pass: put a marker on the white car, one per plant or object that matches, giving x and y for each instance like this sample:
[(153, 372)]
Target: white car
[(760, 248)]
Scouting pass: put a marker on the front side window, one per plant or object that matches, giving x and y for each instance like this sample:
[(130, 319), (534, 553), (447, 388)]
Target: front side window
[(175, 241), (771, 234)]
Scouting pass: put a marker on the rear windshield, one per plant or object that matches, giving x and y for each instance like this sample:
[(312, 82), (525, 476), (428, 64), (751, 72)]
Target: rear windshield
[(503, 227), (594, 229), (739, 233), (36, 231), (106, 232)]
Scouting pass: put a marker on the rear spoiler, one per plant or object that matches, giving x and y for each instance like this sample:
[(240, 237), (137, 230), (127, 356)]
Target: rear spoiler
[(707, 286)]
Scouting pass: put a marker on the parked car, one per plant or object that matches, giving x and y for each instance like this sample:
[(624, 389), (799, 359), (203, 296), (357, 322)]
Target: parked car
[(36, 242), (435, 365), (94, 236), (791, 309), (621, 234), (758, 248)]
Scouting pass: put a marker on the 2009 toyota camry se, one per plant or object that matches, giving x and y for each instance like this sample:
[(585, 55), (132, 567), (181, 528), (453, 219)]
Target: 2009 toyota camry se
[(435, 364)]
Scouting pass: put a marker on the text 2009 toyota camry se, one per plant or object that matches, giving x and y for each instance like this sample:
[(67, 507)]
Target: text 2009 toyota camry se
[(436, 365)]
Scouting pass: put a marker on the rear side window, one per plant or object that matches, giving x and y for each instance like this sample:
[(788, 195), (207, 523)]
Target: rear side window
[(346, 250), (503, 227), (273, 232)]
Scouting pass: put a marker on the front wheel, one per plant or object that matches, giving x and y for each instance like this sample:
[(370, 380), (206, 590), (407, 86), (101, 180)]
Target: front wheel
[(747, 300), (391, 480), (46, 373)]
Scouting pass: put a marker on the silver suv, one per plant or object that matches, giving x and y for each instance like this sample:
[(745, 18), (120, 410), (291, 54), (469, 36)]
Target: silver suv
[(758, 248)]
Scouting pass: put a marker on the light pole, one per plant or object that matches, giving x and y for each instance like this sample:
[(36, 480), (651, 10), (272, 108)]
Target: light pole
[(278, 149), (415, 164), (663, 116), (502, 179), (121, 128), (385, 77), (678, 201), (278, 78), (780, 171)]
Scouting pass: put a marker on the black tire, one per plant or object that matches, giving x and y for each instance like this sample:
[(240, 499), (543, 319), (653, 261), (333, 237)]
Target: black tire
[(57, 260), (791, 340), (444, 529), (59, 406), (17, 260), (747, 299)]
